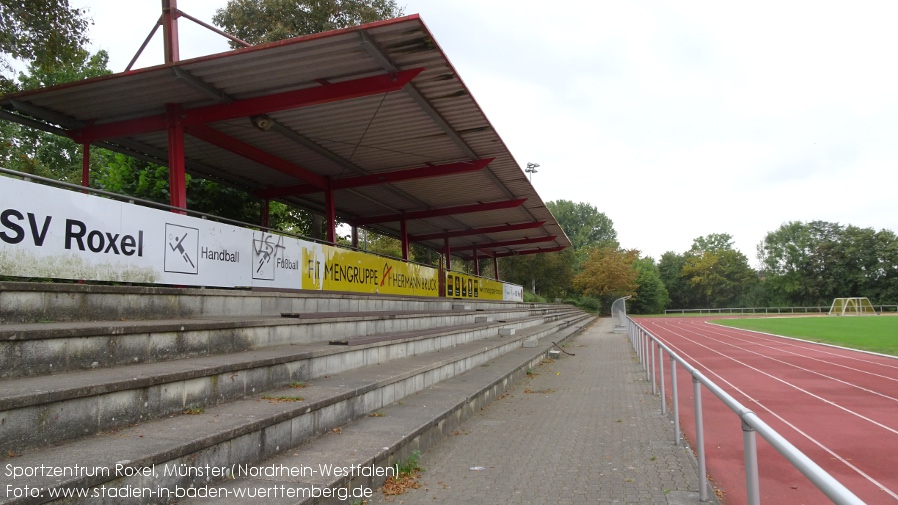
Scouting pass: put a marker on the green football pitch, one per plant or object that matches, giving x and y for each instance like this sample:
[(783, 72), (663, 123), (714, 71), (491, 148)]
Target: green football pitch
[(869, 333)]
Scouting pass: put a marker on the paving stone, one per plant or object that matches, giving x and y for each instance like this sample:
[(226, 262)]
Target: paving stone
[(581, 429)]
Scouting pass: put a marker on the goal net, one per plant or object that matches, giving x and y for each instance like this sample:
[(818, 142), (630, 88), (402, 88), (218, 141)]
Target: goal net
[(852, 307)]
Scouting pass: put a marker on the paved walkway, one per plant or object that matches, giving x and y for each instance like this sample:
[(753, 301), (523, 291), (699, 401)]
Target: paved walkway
[(582, 429)]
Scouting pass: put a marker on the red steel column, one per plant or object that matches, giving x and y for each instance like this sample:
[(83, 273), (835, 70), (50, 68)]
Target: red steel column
[(476, 263), (355, 237), (176, 172), (403, 230), (448, 253), (170, 30), (264, 216), (330, 212), (85, 165), (496, 266)]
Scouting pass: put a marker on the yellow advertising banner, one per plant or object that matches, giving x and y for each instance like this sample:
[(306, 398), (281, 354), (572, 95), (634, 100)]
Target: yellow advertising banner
[(467, 286), (327, 268)]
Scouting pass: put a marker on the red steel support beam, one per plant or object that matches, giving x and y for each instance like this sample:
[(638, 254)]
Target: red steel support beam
[(478, 231), (253, 106), (229, 143), (446, 211), (177, 183), (264, 216), (496, 267), (85, 165), (403, 230), (507, 243), (476, 263), (330, 213), (355, 237), (383, 178), (448, 253), (170, 30)]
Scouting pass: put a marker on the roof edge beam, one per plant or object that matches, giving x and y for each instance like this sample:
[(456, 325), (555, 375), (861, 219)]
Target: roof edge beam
[(382, 178), (507, 243), (530, 251), (479, 231), (253, 106), (445, 211), (235, 146)]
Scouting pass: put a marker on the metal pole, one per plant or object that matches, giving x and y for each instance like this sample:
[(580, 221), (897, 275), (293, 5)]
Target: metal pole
[(652, 351), (675, 399), (661, 379), (750, 447), (645, 356), (700, 439)]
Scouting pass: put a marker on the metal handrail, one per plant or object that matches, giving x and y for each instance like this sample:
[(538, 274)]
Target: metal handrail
[(644, 343)]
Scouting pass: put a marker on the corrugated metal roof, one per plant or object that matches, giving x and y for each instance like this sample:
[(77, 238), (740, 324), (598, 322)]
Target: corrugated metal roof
[(434, 120)]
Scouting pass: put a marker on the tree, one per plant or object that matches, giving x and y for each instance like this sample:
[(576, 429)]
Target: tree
[(714, 242), (548, 275), (261, 21), (719, 279), (651, 295), (45, 33), (583, 224), (42, 153), (607, 273), (670, 269), (812, 263)]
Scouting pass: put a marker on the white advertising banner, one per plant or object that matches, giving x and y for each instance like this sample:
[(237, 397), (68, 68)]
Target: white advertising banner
[(53, 233)]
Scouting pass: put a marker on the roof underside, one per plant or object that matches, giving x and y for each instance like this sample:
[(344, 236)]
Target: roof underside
[(337, 108)]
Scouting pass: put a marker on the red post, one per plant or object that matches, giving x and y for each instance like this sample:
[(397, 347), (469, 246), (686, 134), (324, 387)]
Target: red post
[(403, 230), (85, 165), (476, 263), (264, 214), (496, 266), (448, 253), (176, 170), (330, 212), (170, 30)]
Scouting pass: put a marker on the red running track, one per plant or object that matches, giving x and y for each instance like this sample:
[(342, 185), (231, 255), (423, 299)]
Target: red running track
[(838, 406)]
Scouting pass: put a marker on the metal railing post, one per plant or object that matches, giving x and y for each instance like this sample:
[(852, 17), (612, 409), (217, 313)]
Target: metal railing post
[(645, 356), (750, 447), (700, 440), (661, 379), (652, 351), (675, 399)]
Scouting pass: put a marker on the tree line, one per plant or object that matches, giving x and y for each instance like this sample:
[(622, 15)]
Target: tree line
[(801, 264)]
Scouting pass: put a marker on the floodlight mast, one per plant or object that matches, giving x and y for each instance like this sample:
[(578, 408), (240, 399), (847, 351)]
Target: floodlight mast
[(531, 169)]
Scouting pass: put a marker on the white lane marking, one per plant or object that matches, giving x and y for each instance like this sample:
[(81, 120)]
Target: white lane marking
[(695, 362)]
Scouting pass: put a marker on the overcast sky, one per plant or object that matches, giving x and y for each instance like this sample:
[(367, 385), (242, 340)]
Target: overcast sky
[(676, 119)]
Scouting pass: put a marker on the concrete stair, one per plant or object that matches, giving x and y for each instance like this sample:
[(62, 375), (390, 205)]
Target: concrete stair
[(260, 385)]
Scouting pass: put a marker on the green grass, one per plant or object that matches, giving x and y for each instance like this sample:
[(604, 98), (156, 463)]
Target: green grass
[(869, 333)]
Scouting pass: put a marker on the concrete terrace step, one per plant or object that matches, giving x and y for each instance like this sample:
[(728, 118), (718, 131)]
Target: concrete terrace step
[(45, 348), (36, 411), (250, 430), (26, 302), (370, 443)]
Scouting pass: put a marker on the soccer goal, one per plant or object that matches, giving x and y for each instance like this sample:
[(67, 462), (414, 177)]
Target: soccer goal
[(852, 307)]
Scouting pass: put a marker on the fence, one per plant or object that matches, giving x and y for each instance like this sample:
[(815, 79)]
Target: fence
[(646, 344), (771, 310)]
